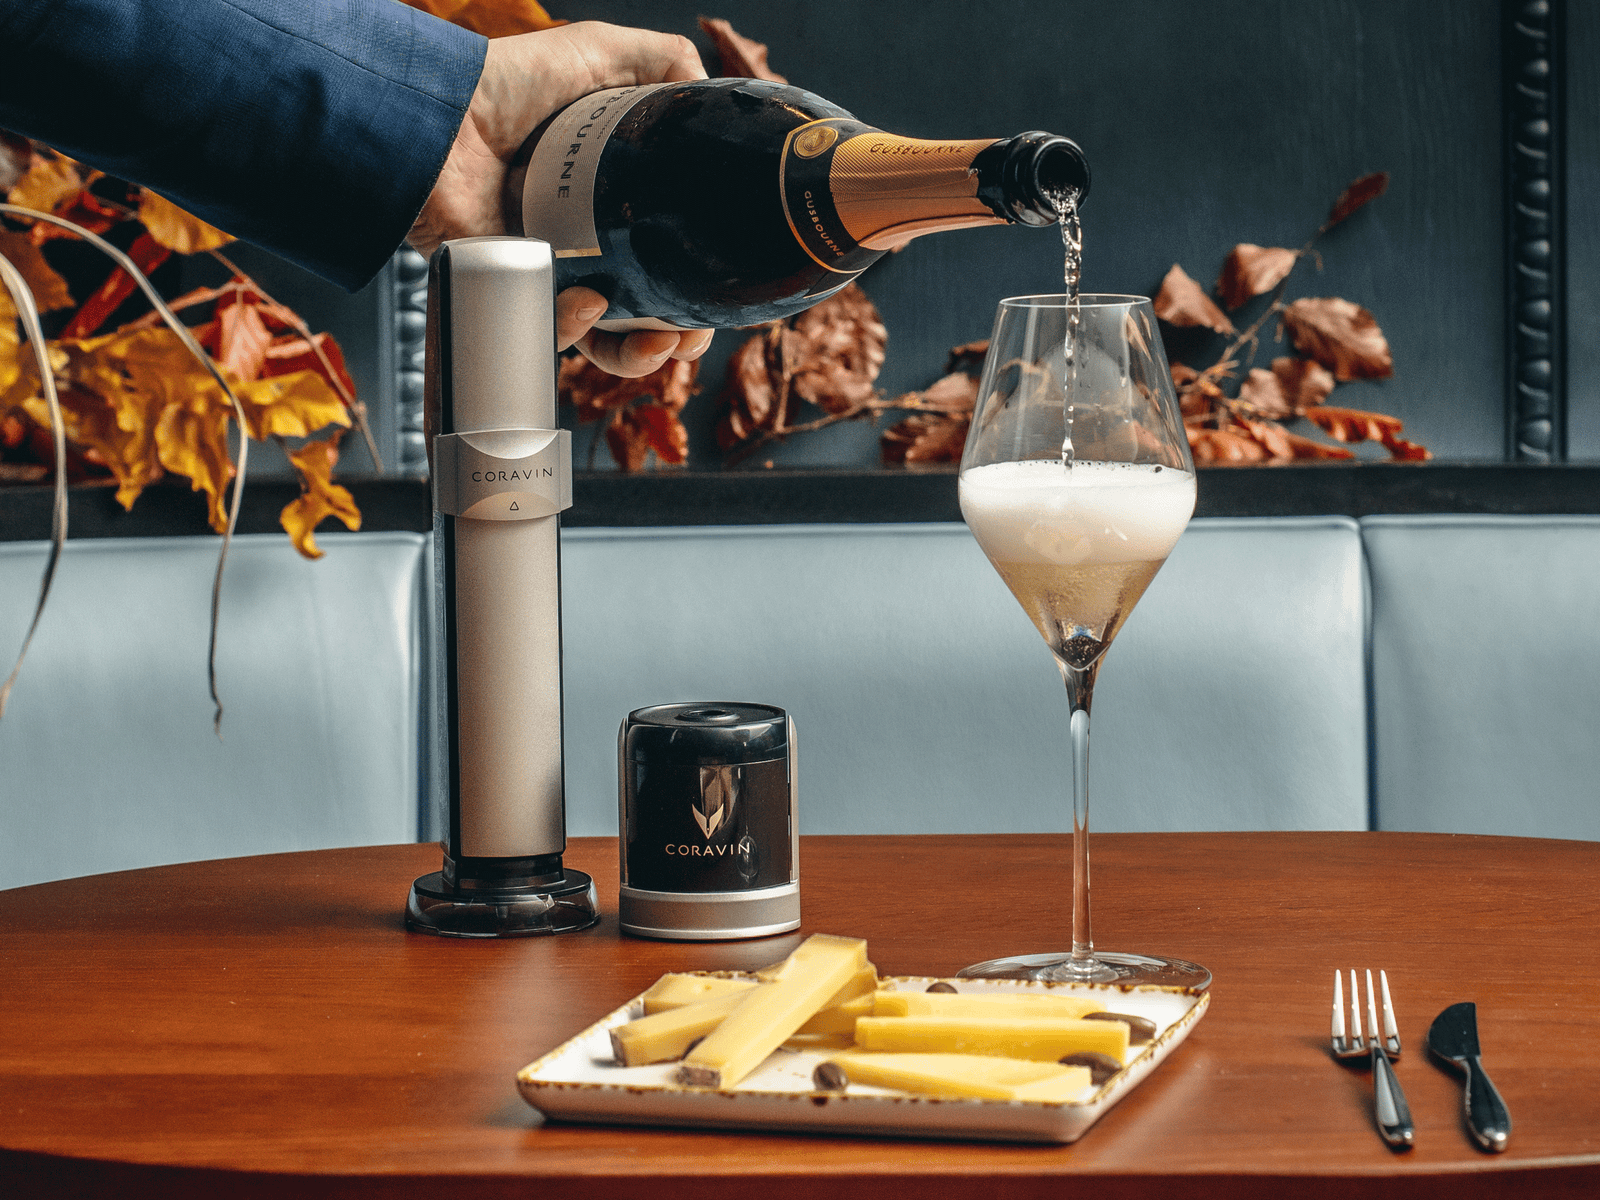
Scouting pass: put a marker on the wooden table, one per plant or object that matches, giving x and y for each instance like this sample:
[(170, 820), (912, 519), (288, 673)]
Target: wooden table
[(265, 1026)]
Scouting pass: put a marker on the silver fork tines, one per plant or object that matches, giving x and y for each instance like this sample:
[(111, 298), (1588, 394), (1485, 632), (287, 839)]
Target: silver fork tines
[(1390, 1109)]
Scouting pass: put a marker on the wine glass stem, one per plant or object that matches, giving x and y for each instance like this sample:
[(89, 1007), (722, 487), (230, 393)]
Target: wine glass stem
[(1080, 691)]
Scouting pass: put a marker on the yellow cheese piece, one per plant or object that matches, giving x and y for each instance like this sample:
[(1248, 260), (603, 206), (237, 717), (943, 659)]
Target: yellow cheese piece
[(863, 983), (1032, 1038), (674, 991), (977, 1076), (664, 1036), (982, 1004), (766, 1017), (840, 1018)]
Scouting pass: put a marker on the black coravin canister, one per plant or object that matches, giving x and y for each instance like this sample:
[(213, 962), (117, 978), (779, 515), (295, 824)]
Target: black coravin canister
[(710, 845)]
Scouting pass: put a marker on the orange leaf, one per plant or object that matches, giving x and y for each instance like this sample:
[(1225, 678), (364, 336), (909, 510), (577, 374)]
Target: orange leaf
[(1223, 447), (1342, 336), (1181, 302), (737, 55), (1263, 393), (319, 496), (1273, 437), (492, 18), (240, 339), (662, 431), (49, 289), (1304, 383), (1363, 190), (1253, 271), (118, 286), (1305, 447), (1353, 425), (176, 228), (83, 208), (296, 354)]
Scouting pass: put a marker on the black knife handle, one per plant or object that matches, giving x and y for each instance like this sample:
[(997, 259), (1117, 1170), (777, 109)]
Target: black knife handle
[(1485, 1112)]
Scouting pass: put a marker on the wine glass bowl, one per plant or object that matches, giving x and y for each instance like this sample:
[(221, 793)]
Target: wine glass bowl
[(1076, 481)]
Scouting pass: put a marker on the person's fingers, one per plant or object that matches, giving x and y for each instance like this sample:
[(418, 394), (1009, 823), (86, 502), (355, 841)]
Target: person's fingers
[(629, 355), (528, 77), (693, 344), (577, 309)]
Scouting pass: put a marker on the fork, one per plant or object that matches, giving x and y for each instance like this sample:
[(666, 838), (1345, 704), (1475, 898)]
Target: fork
[(1392, 1113)]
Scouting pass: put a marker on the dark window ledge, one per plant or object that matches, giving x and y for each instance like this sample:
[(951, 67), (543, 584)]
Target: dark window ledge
[(851, 497)]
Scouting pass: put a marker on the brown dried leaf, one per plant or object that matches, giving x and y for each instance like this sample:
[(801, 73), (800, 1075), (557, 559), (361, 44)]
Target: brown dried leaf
[(747, 393), (737, 55), (1253, 271), (925, 438), (953, 393), (1223, 447), (1264, 396), (1363, 190), (968, 357), (1342, 336), (641, 415), (1405, 451), (1182, 302), (1304, 382), (1353, 425), (1305, 447), (834, 350), (240, 340)]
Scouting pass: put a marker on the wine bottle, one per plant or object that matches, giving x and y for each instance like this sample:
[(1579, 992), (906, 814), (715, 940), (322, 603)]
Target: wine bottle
[(725, 202)]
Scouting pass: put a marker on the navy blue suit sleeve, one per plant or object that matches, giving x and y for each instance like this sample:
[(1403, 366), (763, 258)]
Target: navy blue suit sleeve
[(314, 128)]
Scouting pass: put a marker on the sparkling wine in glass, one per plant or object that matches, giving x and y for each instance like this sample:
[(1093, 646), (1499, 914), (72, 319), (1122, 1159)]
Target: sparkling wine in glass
[(1077, 482)]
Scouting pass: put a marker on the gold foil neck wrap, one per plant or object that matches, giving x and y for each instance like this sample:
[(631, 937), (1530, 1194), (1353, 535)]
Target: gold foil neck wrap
[(883, 184)]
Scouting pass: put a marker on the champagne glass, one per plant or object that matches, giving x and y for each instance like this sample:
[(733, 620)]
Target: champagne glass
[(1077, 481)]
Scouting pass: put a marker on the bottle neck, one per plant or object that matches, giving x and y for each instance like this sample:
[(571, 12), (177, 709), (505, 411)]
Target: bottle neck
[(888, 189)]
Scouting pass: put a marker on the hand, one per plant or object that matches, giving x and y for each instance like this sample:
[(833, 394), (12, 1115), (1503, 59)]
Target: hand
[(525, 79)]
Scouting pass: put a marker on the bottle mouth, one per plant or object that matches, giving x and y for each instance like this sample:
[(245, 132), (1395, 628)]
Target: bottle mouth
[(1044, 168)]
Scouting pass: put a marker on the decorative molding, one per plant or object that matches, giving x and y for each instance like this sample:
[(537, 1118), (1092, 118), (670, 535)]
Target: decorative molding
[(410, 319), (1536, 400)]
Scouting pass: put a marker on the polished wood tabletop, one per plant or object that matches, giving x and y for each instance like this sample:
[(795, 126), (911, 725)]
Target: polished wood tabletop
[(266, 1027)]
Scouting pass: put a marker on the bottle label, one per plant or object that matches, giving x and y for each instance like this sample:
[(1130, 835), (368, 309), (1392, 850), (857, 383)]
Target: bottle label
[(808, 155), (852, 191), (558, 197)]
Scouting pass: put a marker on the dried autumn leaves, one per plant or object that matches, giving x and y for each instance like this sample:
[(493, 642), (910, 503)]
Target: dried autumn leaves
[(135, 401), (1335, 341)]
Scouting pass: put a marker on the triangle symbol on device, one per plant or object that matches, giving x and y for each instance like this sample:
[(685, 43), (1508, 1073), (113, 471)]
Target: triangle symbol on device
[(514, 507)]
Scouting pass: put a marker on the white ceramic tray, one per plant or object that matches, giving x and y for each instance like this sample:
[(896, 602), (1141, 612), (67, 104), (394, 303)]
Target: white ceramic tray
[(580, 1081)]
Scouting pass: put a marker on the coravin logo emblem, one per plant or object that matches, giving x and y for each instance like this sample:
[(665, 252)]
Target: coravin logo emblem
[(719, 792)]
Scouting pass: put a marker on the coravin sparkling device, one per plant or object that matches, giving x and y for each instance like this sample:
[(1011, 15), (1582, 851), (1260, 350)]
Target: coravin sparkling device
[(501, 477)]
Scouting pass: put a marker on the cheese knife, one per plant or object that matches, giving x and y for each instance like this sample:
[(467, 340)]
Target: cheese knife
[(1454, 1038)]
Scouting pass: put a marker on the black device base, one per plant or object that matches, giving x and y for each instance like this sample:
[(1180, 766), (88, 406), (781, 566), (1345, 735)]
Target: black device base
[(559, 906)]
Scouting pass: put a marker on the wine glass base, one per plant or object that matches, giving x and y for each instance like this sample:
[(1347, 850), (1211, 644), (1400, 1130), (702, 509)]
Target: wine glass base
[(1127, 970)]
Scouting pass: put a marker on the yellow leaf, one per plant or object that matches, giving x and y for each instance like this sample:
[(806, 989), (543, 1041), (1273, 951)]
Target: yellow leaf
[(161, 392), (294, 405), (320, 497), (49, 289), (49, 181), (175, 228)]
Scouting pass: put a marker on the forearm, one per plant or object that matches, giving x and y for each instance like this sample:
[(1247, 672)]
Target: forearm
[(314, 129)]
